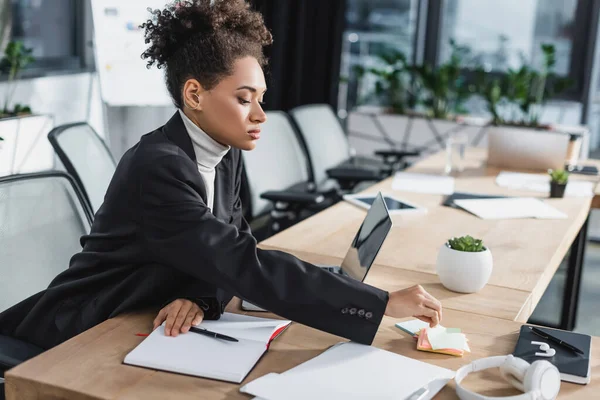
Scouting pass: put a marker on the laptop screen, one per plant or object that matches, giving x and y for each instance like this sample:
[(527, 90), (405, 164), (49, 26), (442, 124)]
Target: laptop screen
[(368, 240)]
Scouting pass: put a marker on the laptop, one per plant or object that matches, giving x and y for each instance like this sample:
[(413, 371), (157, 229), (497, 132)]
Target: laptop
[(517, 148), (364, 248)]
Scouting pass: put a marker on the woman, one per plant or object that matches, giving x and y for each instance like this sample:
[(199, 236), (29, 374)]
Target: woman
[(171, 233)]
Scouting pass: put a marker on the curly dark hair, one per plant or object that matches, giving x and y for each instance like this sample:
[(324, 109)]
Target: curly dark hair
[(201, 39)]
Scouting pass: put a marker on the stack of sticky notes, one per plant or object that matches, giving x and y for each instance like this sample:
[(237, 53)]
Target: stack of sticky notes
[(441, 340)]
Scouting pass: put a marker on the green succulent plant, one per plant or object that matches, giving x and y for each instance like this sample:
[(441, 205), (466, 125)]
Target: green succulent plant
[(466, 243), (559, 176)]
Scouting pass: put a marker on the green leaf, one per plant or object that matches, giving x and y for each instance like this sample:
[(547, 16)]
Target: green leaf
[(467, 244)]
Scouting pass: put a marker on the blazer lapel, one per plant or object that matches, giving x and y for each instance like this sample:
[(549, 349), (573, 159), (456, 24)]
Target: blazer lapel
[(222, 204), (176, 133)]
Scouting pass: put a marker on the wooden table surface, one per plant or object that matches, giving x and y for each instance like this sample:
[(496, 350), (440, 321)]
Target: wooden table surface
[(526, 252), (89, 366)]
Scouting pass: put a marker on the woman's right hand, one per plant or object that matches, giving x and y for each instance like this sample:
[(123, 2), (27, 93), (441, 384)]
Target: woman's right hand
[(414, 302)]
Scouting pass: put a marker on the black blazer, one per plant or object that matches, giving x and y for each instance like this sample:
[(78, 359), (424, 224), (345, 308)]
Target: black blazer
[(154, 240)]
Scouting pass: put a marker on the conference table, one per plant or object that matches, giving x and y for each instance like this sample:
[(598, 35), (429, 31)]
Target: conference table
[(526, 255), (526, 252)]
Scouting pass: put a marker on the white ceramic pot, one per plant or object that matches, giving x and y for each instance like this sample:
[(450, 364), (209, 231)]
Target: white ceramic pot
[(462, 271)]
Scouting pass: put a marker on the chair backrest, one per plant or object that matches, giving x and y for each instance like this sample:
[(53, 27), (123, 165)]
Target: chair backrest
[(276, 163), (42, 218), (86, 158), (324, 136)]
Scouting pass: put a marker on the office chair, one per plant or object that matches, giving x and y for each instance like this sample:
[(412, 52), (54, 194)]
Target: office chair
[(278, 191), (330, 154), (43, 216), (86, 158)]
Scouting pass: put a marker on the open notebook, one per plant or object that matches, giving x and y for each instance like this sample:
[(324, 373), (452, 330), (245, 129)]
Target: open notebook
[(352, 371), (199, 355)]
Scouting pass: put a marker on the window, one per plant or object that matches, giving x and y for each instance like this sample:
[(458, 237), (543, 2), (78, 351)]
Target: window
[(504, 34), (52, 29), (372, 28)]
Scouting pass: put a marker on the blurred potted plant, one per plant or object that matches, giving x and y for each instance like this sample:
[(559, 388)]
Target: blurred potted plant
[(16, 57), (558, 183), (21, 152), (464, 264), (445, 90), (393, 87), (521, 92)]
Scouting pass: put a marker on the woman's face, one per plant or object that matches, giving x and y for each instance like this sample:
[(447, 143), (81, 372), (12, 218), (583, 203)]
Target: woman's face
[(231, 112)]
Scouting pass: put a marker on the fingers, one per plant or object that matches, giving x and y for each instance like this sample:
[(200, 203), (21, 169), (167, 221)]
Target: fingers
[(181, 318), (434, 304), (160, 318), (198, 318), (431, 313), (429, 301)]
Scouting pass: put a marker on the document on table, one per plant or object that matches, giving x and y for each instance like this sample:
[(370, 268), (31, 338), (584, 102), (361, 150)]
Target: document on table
[(352, 371), (541, 184), (510, 208), (423, 183)]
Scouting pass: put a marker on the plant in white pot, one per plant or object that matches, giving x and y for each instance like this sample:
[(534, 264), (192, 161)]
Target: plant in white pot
[(464, 264)]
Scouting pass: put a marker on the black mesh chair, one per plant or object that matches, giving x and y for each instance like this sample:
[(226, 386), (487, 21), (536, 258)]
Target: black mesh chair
[(42, 218), (86, 158), (330, 154)]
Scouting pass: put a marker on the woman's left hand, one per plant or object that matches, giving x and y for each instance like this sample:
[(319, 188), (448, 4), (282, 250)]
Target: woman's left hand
[(180, 314)]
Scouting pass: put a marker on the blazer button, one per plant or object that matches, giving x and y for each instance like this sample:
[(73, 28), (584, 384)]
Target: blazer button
[(353, 311), (369, 315), (361, 313), (345, 310)]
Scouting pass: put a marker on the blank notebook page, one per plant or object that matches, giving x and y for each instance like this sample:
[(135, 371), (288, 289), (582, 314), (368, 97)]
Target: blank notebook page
[(199, 355)]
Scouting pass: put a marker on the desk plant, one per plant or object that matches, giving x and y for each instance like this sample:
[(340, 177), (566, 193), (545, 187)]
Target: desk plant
[(16, 57), (558, 182), (464, 264)]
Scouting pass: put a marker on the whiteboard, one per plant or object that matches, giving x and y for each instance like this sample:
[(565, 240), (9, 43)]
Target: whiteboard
[(119, 44)]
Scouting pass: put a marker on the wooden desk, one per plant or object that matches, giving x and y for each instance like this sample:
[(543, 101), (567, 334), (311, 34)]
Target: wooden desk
[(526, 252), (89, 366)]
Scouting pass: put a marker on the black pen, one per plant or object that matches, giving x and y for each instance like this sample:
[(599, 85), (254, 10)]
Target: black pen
[(555, 340), (215, 335)]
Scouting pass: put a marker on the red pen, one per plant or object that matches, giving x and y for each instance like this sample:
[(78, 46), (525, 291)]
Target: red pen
[(142, 334)]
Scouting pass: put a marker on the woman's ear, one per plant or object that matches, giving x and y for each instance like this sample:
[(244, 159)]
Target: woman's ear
[(193, 94)]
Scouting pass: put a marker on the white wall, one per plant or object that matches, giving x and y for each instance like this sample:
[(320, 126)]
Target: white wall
[(69, 98), (76, 98)]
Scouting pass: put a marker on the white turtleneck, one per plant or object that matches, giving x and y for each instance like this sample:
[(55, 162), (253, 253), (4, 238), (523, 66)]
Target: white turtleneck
[(209, 154)]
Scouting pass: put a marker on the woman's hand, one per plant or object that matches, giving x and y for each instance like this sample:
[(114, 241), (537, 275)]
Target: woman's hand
[(414, 302), (181, 315)]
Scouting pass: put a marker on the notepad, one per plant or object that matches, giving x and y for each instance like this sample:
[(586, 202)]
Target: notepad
[(423, 183), (412, 327), (352, 371), (573, 367), (443, 341), (200, 355), (510, 208)]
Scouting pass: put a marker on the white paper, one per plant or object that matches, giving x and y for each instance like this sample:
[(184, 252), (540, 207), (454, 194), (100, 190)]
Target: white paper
[(352, 371), (541, 184), (199, 355), (413, 326), (422, 183), (440, 339), (245, 326), (510, 208)]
